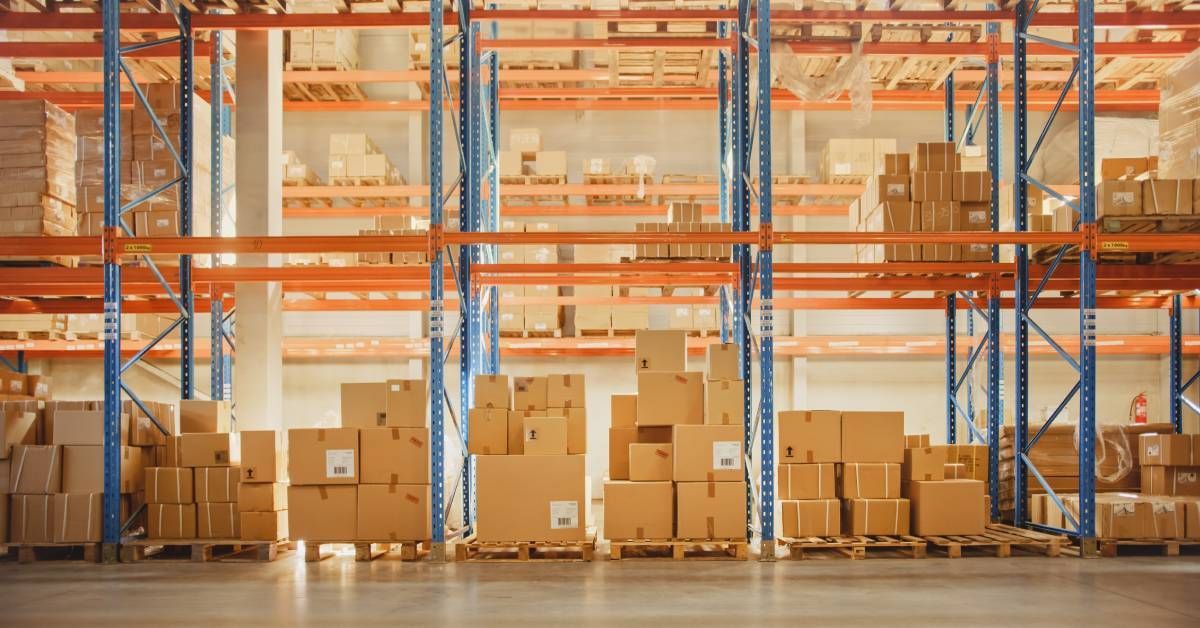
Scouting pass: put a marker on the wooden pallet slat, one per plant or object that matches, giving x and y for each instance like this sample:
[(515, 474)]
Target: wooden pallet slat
[(29, 553), (679, 549), (998, 540), (1113, 548), (472, 551), (857, 547), (367, 551), (203, 550)]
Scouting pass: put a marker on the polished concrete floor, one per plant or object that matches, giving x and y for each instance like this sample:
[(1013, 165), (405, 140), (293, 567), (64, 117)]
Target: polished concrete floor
[(1024, 591)]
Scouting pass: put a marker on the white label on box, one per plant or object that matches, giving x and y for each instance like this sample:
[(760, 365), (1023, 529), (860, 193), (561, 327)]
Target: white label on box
[(1152, 450), (339, 463), (727, 455), (895, 189), (841, 168), (395, 387), (1185, 477), (564, 515), (1123, 198)]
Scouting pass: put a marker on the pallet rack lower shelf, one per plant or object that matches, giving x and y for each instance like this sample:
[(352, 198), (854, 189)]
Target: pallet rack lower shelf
[(472, 551), (681, 549), (365, 551), (27, 553), (202, 550)]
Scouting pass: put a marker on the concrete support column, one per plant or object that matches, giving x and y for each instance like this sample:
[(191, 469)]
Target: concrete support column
[(258, 370)]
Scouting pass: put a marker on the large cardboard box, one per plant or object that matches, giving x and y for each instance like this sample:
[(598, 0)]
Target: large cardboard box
[(1181, 481), (670, 398), (20, 428), (209, 450), (1114, 168), (806, 481), (406, 403), (1167, 197), (491, 391), (650, 462), (724, 402), (489, 431), (807, 436), (721, 362), (1119, 198), (217, 521), (263, 459), (171, 521), (323, 513), (83, 468), (202, 416), (565, 391), (901, 217), (31, 518), (576, 427), (83, 427), (624, 410), (262, 497), (545, 436), (1169, 517), (946, 507), (217, 484), (710, 510), (876, 516), (531, 498), (1117, 515), (264, 526), (169, 485), (935, 156), (1165, 449), (707, 453), (394, 512), (639, 510), (873, 437), (931, 186), (975, 217), (78, 518), (939, 216), (869, 480), (660, 350), (619, 440), (36, 470), (923, 463), (530, 393), (364, 404), (394, 455), (974, 187), (323, 456), (811, 517), (1192, 517)]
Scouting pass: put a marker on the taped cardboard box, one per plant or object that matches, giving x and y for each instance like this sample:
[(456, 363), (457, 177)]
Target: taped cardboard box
[(31, 519), (639, 510), (1167, 197), (209, 450), (1118, 198), (85, 427), (530, 393), (939, 216), (955, 471), (200, 416), (263, 459), (912, 441), (565, 391), (217, 484), (650, 462), (1168, 517), (721, 362), (264, 526), (527, 498), (973, 187), (364, 404), (262, 497), (975, 459), (1117, 515), (394, 512), (323, 456), (36, 470), (660, 350), (869, 480), (1165, 449), (20, 428), (394, 455), (217, 521), (619, 440), (323, 513), (1116, 168), (806, 481), (931, 186), (935, 157), (876, 516), (171, 521), (710, 510), (516, 429), (813, 517), (624, 410), (946, 507), (670, 398), (169, 485), (807, 436), (545, 436), (576, 427), (492, 391), (1174, 481), (923, 463), (872, 437), (83, 468), (78, 518), (406, 403), (707, 453), (489, 431), (724, 402), (1192, 517)]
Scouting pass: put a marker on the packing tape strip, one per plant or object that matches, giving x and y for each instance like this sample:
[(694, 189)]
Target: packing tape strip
[(208, 508), (61, 533), (857, 479), (89, 516), (46, 518), (896, 519), (50, 472), (711, 524), (180, 509), (821, 482), (827, 511), (887, 480), (866, 516), (233, 531)]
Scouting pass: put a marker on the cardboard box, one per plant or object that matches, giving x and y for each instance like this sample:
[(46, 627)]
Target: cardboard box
[(901, 217), (199, 416), (576, 427), (81, 427), (323, 513), (683, 211), (1119, 198), (915, 441), (873, 437), (974, 187), (323, 456), (217, 521), (491, 391), (707, 453), (36, 470), (1113, 168), (923, 463), (262, 497), (545, 436), (530, 393), (364, 404), (78, 518), (670, 398), (894, 187), (263, 460), (660, 350), (876, 516), (83, 469), (939, 216), (209, 450), (1169, 517), (525, 140), (264, 526), (171, 453), (869, 480), (721, 362), (565, 391), (935, 156), (489, 431), (807, 436), (724, 402), (973, 457), (31, 519), (650, 462), (1165, 449), (406, 403), (1118, 515), (639, 510), (1167, 197), (710, 510), (531, 498), (624, 410), (20, 428), (812, 517), (1174, 481), (942, 507), (169, 485), (955, 471), (516, 429), (806, 481), (217, 484), (896, 163), (619, 440), (394, 455), (1192, 517), (394, 512), (550, 163), (171, 521)]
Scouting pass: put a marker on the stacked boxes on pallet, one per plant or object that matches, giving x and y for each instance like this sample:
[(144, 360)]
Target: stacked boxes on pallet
[(854, 160), (529, 445), (193, 492), (262, 493), (89, 166), (37, 161), (539, 317), (946, 497), (683, 217), (353, 157), (322, 49), (1132, 186), (526, 157)]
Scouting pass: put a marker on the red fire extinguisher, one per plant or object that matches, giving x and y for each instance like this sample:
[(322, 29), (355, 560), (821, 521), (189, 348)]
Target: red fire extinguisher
[(1137, 409)]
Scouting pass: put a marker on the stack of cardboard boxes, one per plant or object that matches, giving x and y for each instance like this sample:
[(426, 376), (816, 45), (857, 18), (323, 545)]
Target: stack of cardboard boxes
[(946, 497), (683, 217), (1132, 186), (89, 166), (193, 491), (322, 49), (854, 160), (262, 492), (676, 448), (37, 161), (536, 317), (525, 157), (297, 173), (353, 158), (529, 445), (605, 315)]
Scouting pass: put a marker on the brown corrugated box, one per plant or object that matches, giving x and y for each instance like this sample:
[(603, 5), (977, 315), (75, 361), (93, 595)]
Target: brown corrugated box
[(364, 404), (263, 460), (36, 470), (1114, 168), (264, 526), (394, 455), (169, 485), (1181, 481), (527, 498), (545, 436), (710, 510), (660, 350), (323, 456), (721, 362), (670, 398), (941, 507), (807, 436), (811, 517), (406, 403), (217, 521), (619, 440), (83, 468), (85, 427), (32, 519), (78, 518), (209, 450), (915, 441), (650, 462), (1165, 450), (1167, 197), (489, 431), (896, 163), (707, 453), (972, 187), (20, 428), (923, 463), (932, 186), (394, 512), (516, 429), (201, 416), (624, 410), (724, 402), (530, 393), (262, 497), (876, 516), (935, 156), (565, 391), (873, 436), (806, 481), (869, 480), (576, 427), (217, 484), (171, 521), (938, 216), (491, 391), (1119, 198), (639, 510), (323, 513), (893, 187)]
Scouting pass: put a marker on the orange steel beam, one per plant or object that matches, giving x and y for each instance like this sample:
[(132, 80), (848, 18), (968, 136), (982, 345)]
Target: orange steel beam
[(572, 189), (971, 49), (85, 50), (550, 210), (669, 104)]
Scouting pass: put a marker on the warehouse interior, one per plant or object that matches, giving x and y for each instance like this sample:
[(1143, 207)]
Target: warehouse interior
[(580, 133)]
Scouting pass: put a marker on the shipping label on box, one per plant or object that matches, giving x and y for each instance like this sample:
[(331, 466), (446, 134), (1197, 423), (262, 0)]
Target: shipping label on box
[(531, 498), (323, 456), (1165, 449), (1119, 198), (707, 453)]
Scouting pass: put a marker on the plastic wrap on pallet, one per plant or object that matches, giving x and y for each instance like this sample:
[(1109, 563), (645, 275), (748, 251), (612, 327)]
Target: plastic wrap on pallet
[(852, 75), (1112, 441), (1179, 121)]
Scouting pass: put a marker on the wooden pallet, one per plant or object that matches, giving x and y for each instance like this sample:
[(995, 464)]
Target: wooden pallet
[(614, 199), (683, 549), (367, 551), (471, 551), (1112, 548), (536, 179), (857, 547), (1131, 224), (531, 333), (604, 333), (322, 92), (202, 551), (28, 553), (998, 540), (38, 261), (45, 334), (371, 201)]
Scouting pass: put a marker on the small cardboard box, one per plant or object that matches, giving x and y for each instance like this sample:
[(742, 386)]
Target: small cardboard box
[(624, 410), (806, 481), (169, 485), (364, 404), (935, 156), (323, 513), (530, 393), (516, 429), (545, 436), (394, 512), (811, 517), (531, 498), (394, 455), (32, 519), (721, 362), (217, 521), (724, 402), (955, 471), (876, 516), (323, 456), (1165, 449), (914, 441), (660, 350), (263, 460), (973, 457), (1173, 481), (1114, 168), (20, 428), (894, 187), (565, 391), (1169, 517), (407, 403), (78, 518), (197, 416), (807, 436), (923, 463), (896, 163), (1119, 198), (217, 484), (576, 427), (619, 440), (36, 470), (209, 450), (264, 526), (707, 453), (650, 462), (550, 163), (941, 507), (639, 510), (670, 398), (1167, 197), (869, 480), (491, 391), (171, 521), (262, 497), (974, 187), (710, 510), (489, 431), (873, 437)]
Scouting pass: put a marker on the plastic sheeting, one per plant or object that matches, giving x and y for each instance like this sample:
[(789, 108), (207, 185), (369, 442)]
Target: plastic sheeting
[(1112, 441), (643, 166), (851, 74)]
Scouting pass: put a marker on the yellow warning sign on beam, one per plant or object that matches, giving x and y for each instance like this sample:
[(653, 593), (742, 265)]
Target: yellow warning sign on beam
[(137, 248), (1114, 246)]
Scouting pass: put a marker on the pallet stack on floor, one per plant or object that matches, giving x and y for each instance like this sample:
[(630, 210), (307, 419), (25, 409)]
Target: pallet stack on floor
[(37, 167), (676, 468)]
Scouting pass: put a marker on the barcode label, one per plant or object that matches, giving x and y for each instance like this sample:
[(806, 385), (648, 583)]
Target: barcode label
[(727, 455), (339, 463), (564, 515)]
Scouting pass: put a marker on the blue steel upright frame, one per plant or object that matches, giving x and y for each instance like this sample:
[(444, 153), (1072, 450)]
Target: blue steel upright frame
[(1177, 397), (438, 398), (1082, 523), (220, 363)]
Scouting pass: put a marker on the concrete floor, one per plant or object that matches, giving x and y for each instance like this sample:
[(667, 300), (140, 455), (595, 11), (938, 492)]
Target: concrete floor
[(1028, 591)]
